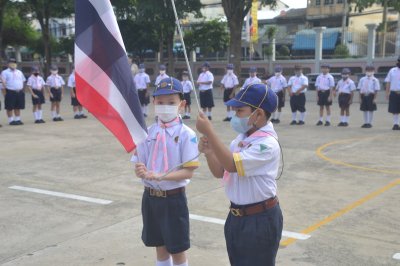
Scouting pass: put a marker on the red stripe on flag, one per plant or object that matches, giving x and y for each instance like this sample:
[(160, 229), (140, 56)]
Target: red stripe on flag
[(104, 112)]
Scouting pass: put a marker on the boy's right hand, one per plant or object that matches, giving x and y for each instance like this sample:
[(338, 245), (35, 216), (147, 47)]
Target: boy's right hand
[(203, 146), (140, 170)]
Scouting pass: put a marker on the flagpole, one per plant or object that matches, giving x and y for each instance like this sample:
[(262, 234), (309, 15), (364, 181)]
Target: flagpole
[(185, 54)]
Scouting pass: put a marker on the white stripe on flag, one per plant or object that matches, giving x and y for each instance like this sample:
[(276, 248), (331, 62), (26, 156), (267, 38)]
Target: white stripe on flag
[(106, 13), (102, 83)]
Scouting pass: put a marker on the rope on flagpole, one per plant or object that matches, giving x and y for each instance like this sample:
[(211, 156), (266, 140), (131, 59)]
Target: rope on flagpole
[(185, 54)]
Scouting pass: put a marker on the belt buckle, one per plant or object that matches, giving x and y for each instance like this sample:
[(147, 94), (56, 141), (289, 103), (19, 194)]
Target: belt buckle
[(236, 212), (158, 193)]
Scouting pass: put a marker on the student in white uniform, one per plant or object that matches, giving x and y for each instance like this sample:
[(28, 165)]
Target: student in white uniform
[(205, 82), (345, 88), (36, 85), (369, 87), (170, 143), (278, 85), (297, 87), (187, 92), (76, 105), (55, 86), (13, 91), (393, 93), (229, 84), (252, 79), (249, 168), (162, 74), (325, 84), (142, 84)]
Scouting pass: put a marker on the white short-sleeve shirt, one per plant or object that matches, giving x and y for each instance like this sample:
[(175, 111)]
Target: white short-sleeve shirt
[(206, 77), (181, 142), (346, 86), (257, 160), (55, 81), (296, 82), (36, 82), (13, 79), (159, 78), (71, 80), (393, 77), (368, 85), (187, 86), (230, 81), (141, 81), (325, 82), (249, 81), (277, 83)]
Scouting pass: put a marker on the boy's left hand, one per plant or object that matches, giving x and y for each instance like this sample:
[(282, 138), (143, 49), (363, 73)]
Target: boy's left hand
[(153, 176), (203, 125)]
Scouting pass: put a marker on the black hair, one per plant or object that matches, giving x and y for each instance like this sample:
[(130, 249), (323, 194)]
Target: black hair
[(267, 114), (181, 97)]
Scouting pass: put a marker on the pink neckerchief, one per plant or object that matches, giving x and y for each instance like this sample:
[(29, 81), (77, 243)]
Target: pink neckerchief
[(245, 143), (161, 137)]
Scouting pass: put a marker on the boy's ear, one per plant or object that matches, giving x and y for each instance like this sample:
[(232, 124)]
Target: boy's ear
[(182, 104)]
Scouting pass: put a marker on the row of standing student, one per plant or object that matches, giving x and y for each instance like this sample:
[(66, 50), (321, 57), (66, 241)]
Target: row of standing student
[(297, 86), (14, 96)]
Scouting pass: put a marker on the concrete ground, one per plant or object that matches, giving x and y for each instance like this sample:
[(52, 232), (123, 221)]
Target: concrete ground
[(340, 188)]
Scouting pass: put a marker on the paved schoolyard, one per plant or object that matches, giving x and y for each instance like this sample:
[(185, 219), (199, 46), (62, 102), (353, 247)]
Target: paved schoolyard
[(339, 194)]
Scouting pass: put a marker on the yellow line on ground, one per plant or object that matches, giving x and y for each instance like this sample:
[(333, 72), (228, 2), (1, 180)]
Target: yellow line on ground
[(353, 205)]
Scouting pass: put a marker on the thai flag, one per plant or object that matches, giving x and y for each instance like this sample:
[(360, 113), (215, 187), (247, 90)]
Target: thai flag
[(104, 82)]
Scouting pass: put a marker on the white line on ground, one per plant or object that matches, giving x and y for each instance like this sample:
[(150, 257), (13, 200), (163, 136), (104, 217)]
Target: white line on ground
[(298, 236), (62, 195), (396, 256)]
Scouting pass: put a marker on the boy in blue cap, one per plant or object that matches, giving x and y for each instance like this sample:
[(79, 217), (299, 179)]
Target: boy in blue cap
[(253, 228), (162, 74), (369, 87), (205, 82), (36, 85), (278, 84), (170, 145), (252, 79), (325, 84), (142, 83), (229, 83)]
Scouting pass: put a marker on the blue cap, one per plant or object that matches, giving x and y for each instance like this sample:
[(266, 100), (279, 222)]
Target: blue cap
[(257, 96), (229, 66), (162, 67), (252, 69), (370, 67), (141, 66), (168, 86), (278, 69), (54, 67), (346, 71), (325, 65), (206, 64), (12, 60), (35, 69)]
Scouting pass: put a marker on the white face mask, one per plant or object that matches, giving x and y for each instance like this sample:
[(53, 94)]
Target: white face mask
[(141, 70), (166, 113), (229, 71), (277, 74), (185, 78), (54, 72), (369, 74), (162, 72)]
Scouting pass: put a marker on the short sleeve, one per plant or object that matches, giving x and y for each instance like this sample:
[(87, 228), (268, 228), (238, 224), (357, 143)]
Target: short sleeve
[(290, 83), (189, 150), (29, 83), (331, 82), (23, 77), (249, 161), (236, 81), (62, 81), (352, 86), (387, 79), (147, 79), (377, 86), (210, 77), (284, 82), (317, 82), (359, 86), (305, 81), (223, 80)]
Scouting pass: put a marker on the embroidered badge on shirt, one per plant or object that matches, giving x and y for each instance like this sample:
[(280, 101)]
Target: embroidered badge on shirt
[(176, 139), (194, 140), (264, 147)]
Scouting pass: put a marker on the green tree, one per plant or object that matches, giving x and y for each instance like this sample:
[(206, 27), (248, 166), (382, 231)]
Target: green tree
[(235, 12), (210, 36), (43, 10)]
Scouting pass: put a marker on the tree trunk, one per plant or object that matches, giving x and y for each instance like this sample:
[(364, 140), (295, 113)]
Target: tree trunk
[(161, 47), (344, 20), (235, 44), (170, 48), (47, 47)]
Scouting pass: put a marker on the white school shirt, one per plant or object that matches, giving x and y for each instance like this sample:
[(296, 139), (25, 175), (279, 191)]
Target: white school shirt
[(206, 77), (141, 81), (230, 81), (296, 82), (324, 82), (394, 78), (277, 84), (346, 86), (55, 81), (257, 163), (159, 78), (368, 85), (36, 82), (249, 81), (71, 80), (181, 144), (187, 86), (13, 79)]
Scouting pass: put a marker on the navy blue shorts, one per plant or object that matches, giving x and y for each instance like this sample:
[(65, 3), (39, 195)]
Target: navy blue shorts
[(227, 94), (14, 100), (40, 99), (187, 98), (394, 103), (206, 99), (74, 100), (56, 95), (254, 240), (323, 98), (143, 98), (298, 103), (281, 99), (166, 222), (367, 103), (344, 100)]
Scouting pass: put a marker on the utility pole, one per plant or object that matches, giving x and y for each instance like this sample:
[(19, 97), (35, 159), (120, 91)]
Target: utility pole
[(344, 20), (384, 20)]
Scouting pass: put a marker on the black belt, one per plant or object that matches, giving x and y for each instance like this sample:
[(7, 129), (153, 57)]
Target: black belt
[(164, 193)]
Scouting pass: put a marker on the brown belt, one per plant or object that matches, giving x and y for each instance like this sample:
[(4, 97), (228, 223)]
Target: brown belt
[(258, 208), (164, 193)]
